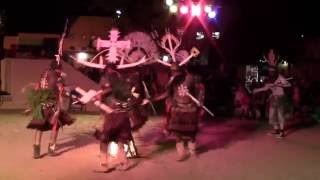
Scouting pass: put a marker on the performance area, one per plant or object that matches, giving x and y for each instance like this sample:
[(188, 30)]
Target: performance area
[(228, 148), (159, 90)]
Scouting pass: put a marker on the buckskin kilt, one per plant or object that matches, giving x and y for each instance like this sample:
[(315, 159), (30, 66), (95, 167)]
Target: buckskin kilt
[(138, 117), (116, 127), (183, 119), (47, 122)]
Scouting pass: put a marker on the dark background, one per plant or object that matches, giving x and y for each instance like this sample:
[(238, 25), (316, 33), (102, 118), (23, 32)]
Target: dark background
[(248, 27)]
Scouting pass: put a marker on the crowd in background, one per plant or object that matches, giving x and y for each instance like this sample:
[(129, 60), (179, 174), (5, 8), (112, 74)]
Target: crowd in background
[(303, 99)]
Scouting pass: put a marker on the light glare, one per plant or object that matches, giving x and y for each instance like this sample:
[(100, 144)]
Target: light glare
[(196, 10)]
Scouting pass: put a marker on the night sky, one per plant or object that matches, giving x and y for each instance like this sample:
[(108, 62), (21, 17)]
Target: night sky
[(248, 26)]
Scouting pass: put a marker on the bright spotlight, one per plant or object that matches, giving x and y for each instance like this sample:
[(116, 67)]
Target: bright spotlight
[(165, 58), (195, 10), (184, 9), (118, 12), (82, 56), (285, 63), (173, 9), (212, 14), (169, 2), (207, 9)]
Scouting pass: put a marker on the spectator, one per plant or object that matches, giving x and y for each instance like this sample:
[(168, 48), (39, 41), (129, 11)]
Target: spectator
[(242, 102)]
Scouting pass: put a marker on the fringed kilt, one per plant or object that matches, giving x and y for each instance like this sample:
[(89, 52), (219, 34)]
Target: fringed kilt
[(64, 118), (282, 103), (116, 127), (138, 117), (183, 121), (47, 123), (42, 124)]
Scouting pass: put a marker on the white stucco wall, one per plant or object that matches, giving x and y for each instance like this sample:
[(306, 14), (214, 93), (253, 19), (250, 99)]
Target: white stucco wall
[(16, 73)]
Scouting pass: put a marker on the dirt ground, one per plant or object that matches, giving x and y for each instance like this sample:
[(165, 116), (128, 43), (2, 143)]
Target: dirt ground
[(229, 150)]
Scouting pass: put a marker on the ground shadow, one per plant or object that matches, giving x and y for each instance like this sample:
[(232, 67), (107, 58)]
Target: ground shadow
[(156, 141), (43, 155), (212, 135), (161, 148), (299, 122), (74, 142), (224, 133)]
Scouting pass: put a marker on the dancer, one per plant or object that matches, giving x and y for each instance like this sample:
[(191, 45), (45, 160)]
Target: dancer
[(121, 93), (277, 84), (47, 103), (184, 97), (183, 114)]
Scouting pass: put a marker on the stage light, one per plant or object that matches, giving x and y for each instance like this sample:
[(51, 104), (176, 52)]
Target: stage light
[(165, 58), (216, 35), (118, 12), (184, 9), (82, 56), (173, 9), (199, 35), (195, 10), (212, 14), (169, 2), (207, 9), (285, 63)]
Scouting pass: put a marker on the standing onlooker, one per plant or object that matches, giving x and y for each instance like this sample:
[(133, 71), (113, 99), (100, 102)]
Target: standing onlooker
[(242, 102), (277, 99)]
